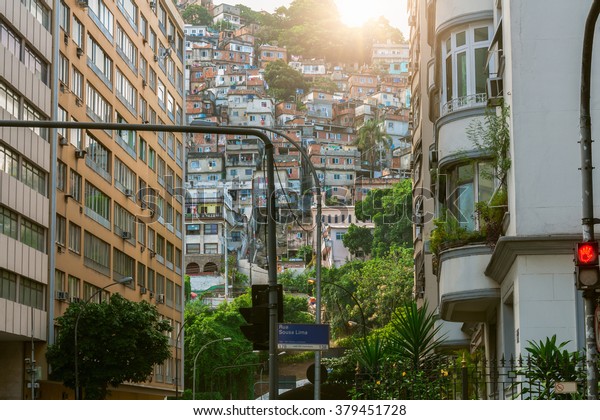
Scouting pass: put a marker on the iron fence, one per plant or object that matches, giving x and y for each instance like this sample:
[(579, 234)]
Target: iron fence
[(454, 377)]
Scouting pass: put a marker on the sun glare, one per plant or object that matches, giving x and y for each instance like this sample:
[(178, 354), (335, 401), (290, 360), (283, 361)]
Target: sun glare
[(355, 12)]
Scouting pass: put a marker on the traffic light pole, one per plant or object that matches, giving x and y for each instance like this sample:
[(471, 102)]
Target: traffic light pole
[(588, 220)]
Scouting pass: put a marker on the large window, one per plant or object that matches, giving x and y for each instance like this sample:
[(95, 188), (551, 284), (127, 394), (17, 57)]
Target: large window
[(99, 59), (9, 223), (98, 157), (97, 205), (33, 235), (124, 224), (465, 72), (126, 47), (31, 293), (468, 184), (39, 11), (8, 285), (96, 254), (123, 266), (124, 177), (126, 91), (103, 15), (99, 108)]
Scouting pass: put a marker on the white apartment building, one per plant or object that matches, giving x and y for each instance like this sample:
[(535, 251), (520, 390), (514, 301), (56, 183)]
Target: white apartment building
[(498, 298)]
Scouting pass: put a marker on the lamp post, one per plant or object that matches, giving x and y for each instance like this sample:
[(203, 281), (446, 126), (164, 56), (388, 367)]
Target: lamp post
[(124, 280), (176, 358), (351, 295), (196, 359)]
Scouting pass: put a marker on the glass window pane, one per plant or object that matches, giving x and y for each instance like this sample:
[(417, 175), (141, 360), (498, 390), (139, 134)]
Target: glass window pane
[(480, 70), (481, 34), (461, 74), (461, 39)]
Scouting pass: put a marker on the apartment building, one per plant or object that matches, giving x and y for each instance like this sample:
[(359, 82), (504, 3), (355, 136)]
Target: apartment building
[(497, 299), (270, 53), (117, 62), (26, 293)]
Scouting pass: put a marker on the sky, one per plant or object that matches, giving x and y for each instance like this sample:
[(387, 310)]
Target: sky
[(353, 12)]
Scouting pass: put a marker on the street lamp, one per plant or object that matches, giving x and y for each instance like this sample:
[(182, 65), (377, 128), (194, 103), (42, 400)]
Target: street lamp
[(177, 357), (351, 295), (196, 359), (124, 280)]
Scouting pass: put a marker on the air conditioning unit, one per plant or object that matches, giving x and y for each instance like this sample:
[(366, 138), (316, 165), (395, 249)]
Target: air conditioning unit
[(495, 91), (79, 51), (143, 290), (61, 295), (63, 88), (153, 5), (80, 154), (144, 83), (62, 140), (74, 300), (128, 192), (66, 38), (78, 102), (155, 57), (82, 3), (170, 39), (152, 254), (160, 298), (126, 235), (151, 295), (59, 248)]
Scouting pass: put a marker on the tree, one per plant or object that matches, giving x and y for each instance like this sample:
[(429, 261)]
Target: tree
[(118, 341), (358, 239), (372, 141), (283, 81), (390, 209), (195, 14)]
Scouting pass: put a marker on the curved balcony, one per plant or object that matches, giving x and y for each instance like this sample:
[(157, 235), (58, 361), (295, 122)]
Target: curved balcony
[(453, 141), (466, 293), (452, 13)]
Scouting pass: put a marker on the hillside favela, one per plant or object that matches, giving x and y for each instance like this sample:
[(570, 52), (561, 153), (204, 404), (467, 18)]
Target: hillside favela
[(298, 200)]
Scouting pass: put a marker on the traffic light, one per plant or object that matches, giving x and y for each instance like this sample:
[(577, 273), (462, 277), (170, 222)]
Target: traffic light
[(586, 266), (257, 317)]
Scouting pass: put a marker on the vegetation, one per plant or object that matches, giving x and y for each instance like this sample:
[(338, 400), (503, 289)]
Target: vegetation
[(390, 209), (373, 141), (358, 239), (118, 341), (283, 81), (195, 14)]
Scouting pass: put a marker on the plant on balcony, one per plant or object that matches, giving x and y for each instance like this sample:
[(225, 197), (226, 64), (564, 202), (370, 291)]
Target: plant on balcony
[(491, 215), (448, 233), (492, 136)]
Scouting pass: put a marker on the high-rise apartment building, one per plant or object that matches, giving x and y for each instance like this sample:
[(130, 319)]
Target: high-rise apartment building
[(117, 212)]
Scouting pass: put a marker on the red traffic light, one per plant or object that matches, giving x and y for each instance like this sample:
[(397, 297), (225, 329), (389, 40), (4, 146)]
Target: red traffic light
[(587, 253)]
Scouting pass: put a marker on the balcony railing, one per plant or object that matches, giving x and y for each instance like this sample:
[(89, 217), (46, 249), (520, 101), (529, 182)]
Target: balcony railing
[(464, 102), (198, 216)]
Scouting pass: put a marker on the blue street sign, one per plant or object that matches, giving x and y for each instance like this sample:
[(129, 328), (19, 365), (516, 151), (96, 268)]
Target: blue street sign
[(303, 336)]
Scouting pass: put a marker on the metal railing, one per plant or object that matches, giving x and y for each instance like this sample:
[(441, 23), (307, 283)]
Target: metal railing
[(464, 102)]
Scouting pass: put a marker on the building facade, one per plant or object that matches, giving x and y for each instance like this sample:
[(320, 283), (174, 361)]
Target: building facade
[(471, 61)]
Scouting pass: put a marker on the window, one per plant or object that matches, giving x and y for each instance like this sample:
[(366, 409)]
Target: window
[(339, 236), (8, 285), (170, 254), (151, 158), (151, 281), (211, 248), (8, 223), (126, 138), (211, 229), (141, 274), (102, 15), (169, 300), (33, 235), (98, 157), (9, 100), (192, 248), (124, 222), (39, 11), (9, 161), (74, 238), (77, 83), (466, 185), (191, 230), (464, 70), (123, 266), (97, 205), (98, 59), (61, 173), (130, 11), (96, 254), (31, 293), (126, 48), (141, 228), (98, 108), (124, 177), (143, 150), (59, 281), (160, 247), (36, 64), (125, 91), (151, 237), (77, 32), (61, 230)]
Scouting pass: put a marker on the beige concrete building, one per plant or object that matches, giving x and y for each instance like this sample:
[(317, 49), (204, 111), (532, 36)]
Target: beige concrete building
[(117, 212)]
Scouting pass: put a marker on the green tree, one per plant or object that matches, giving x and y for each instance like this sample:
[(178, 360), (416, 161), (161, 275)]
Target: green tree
[(195, 14), (324, 84), (118, 341), (390, 209), (373, 142), (358, 239), (283, 81)]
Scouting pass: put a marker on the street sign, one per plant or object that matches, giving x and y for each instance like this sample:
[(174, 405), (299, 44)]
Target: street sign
[(565, 387), (303, 336)]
